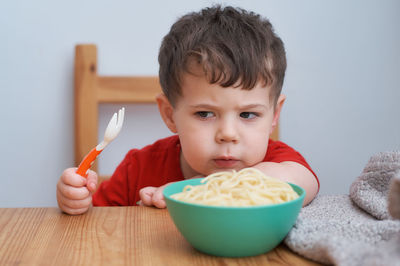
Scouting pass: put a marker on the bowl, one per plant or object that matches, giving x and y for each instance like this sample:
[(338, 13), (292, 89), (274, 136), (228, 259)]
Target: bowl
[(232, 231)]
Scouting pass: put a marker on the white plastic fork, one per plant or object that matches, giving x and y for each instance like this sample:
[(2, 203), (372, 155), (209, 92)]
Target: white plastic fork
[(112, 131)]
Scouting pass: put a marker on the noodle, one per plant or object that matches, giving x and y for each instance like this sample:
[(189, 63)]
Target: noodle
[(247, 187)]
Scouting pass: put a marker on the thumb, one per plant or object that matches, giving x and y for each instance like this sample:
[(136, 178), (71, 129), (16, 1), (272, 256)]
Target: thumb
[(92, 180), (146, 195)]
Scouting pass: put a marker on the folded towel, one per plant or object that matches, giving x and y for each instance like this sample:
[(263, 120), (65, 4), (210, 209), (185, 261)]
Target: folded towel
[(354, 229), (394, 197), (370, 190)]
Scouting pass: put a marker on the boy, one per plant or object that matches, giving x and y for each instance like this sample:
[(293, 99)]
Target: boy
[(221, 71)]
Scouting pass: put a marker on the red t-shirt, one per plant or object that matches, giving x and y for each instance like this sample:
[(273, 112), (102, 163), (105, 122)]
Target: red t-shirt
[(158, 164)]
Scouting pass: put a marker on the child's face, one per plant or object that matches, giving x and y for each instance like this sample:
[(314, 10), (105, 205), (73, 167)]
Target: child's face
[(221, 128)]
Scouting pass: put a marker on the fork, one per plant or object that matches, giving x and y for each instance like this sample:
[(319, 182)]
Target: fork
[(112, 131)]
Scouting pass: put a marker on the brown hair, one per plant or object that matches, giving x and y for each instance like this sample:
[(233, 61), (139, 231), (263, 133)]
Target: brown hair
[(234, 47)]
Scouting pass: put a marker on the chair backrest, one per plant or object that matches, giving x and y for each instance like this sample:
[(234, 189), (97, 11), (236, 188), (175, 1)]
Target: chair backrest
[(92, 90)]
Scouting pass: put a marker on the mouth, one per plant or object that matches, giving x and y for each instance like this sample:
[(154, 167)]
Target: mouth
[(226, 162)]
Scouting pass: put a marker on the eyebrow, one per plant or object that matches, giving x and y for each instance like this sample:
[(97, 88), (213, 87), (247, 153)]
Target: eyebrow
[(248, 106)]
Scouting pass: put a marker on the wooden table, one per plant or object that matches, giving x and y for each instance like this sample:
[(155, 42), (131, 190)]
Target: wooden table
[(109, 236)]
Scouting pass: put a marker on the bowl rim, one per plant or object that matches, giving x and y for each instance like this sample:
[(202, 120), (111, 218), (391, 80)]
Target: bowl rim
[(254, 207)]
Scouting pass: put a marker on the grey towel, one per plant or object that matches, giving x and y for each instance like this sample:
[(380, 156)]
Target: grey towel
[(394, 197), (355, 229), (370, 190)]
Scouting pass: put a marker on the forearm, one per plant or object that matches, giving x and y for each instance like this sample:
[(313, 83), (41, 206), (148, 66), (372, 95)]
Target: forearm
[(294, 173)]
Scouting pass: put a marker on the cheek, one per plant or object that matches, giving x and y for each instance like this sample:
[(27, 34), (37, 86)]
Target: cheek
[(193, 136), (259, 149), (195, 145), (195, 150), (257, 144)]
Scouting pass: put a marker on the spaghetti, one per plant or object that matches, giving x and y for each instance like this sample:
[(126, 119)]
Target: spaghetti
[(247, 187)]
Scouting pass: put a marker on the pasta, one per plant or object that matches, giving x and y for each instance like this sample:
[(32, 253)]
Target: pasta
[(247, 187)]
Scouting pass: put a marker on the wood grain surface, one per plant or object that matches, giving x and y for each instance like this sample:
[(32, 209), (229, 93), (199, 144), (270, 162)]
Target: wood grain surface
[(109, 236)]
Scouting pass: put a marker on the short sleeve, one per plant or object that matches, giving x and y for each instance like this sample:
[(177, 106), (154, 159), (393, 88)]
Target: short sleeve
[(280, 152)]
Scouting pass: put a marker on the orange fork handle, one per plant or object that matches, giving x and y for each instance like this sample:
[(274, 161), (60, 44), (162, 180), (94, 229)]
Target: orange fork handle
[(87, 162)]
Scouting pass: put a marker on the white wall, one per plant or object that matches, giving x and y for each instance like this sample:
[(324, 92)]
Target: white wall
[(342, 82)]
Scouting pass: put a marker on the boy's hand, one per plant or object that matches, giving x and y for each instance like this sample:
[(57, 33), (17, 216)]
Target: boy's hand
[(153, 196), (74, 192)]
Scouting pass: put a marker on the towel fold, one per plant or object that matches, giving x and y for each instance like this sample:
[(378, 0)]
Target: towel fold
[(370, 190), (355, 229), (394, 197)]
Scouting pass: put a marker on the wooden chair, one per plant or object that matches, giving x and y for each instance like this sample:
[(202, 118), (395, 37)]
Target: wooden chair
[(92, 90)]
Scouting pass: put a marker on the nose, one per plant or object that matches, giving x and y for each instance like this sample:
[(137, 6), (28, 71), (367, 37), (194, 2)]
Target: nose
[(226, 132)]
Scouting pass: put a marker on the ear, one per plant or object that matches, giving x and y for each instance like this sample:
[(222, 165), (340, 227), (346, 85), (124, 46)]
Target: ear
[(277, 112), (166, 111)]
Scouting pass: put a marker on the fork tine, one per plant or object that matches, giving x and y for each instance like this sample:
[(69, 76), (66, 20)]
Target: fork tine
[(121, 114), (113, 121)]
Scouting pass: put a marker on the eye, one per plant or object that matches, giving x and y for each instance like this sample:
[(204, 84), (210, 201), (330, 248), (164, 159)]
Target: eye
[(204, 114), (248, 115)]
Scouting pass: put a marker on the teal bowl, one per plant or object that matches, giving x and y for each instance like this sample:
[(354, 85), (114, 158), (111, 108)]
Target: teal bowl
[(232, 231)]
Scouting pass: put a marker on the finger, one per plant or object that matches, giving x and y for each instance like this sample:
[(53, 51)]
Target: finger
[(70, 177), (70, 192), (73, 211), (76, 204), (92, 180), (158, 198), (146, 195), (196, 176)]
